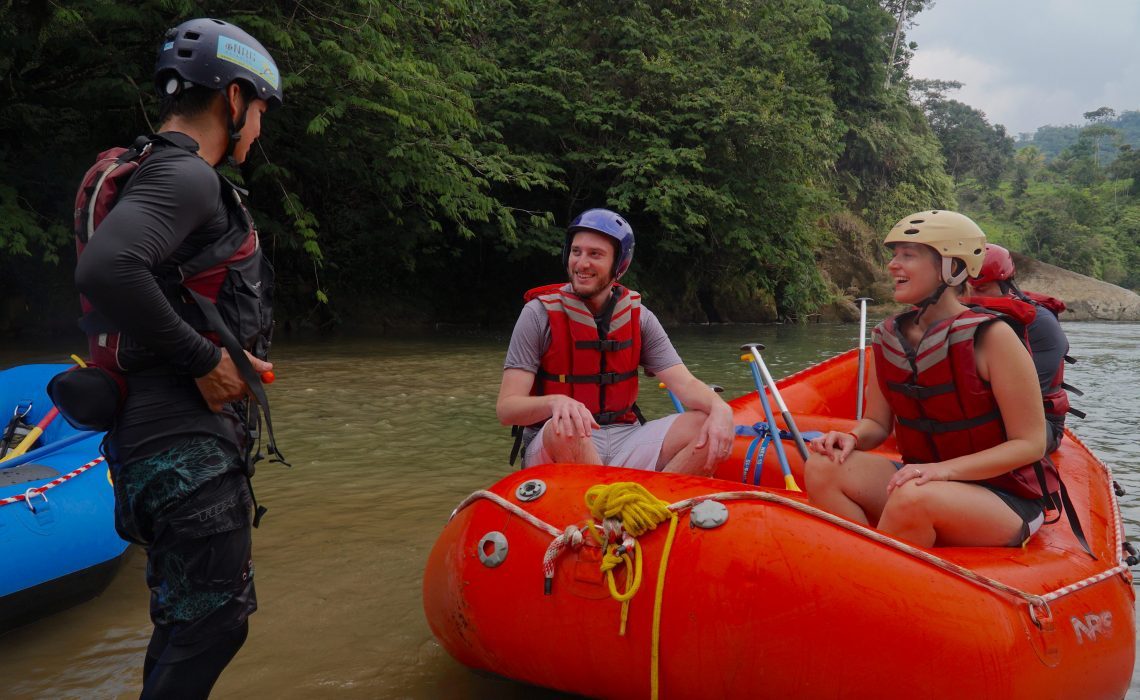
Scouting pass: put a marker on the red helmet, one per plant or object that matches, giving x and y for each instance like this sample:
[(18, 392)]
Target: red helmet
[(997, 266)]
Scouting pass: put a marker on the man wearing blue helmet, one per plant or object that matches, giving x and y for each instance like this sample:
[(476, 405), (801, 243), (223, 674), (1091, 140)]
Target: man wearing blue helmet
[(570, 376), (176, 291)]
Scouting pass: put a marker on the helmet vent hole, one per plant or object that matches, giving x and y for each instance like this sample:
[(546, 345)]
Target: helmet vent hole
[(911, 231), (917, 221), (185, 53), (977, 251), (192, 36)]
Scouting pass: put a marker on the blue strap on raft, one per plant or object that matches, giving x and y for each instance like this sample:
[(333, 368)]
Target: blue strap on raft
[(762, 436)]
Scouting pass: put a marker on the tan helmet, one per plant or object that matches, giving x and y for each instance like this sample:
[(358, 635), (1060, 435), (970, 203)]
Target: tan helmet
[(950, 234)]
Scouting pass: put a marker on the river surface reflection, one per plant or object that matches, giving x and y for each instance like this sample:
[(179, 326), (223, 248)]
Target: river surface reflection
[(386, 436)]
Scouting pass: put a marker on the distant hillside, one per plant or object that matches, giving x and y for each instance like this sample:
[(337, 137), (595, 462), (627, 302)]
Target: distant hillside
[(1051, 140)]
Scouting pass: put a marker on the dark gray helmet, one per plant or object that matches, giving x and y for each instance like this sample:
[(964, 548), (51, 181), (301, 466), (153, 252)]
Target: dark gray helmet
[(212, 53)]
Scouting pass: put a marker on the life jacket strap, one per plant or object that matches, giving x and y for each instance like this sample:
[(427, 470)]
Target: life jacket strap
[(1071, 389), (604, 345), (916, 391), (926, 425), (244, 367), (1060, 501), (603, 378)]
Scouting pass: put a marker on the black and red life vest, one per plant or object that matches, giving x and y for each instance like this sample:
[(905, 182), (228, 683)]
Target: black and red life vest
[(233, 275), (594, 361), (943, 409), (1054, 396)]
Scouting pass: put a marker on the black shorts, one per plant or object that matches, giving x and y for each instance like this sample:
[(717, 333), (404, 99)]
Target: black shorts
[(200, 564)]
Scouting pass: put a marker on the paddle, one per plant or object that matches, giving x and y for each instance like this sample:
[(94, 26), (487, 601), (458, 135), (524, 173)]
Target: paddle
[(791, 423), (862, 354), (33, 435), (49, 449), (789, 480)]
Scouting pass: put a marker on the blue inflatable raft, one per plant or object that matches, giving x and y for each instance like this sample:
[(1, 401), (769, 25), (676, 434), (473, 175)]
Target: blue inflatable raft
[(57, 530)]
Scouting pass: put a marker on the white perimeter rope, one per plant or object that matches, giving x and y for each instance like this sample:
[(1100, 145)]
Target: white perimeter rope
[(28, 495), (1034, 601)]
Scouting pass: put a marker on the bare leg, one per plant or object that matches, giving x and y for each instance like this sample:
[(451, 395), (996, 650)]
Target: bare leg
[(679, 451), (856, 489), (949, 513)]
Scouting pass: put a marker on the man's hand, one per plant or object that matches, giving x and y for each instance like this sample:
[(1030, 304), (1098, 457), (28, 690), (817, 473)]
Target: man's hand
[(570, 417), (718, 432), (224, 384)]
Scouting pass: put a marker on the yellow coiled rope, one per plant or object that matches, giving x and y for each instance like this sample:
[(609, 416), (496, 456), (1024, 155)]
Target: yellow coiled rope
[(638, 511)]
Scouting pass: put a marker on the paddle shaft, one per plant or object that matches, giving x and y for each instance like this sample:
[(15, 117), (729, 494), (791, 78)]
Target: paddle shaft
[(773, 429), (33, 435), (48, 449), (862, 356), (788, 420)]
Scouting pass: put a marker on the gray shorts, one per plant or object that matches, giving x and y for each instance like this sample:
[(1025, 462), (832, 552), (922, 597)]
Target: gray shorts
[(620, 445)]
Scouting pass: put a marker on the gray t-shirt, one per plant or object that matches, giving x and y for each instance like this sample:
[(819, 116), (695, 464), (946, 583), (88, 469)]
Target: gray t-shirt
[(531, 339)]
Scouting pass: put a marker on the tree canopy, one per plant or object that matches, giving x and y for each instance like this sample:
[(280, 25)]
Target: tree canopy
[(428, 154)]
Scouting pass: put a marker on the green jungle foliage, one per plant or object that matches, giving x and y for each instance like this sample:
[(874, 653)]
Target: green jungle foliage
[(1077, 210), (429, 154), (1117, 131)]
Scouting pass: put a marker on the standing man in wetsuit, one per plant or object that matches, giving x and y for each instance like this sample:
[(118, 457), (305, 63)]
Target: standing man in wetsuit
[(180, 447), (571, 370)]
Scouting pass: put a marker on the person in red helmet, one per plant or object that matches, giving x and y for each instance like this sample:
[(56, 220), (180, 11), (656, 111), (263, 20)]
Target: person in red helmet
[(1050, 346), (570, 376), (179, 292)]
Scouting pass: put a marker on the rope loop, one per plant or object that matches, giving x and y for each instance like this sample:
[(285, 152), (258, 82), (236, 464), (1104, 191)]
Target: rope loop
[(632, 504)]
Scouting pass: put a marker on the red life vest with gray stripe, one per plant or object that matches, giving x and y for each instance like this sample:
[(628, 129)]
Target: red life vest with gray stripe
[(943, 409), (592, 360)]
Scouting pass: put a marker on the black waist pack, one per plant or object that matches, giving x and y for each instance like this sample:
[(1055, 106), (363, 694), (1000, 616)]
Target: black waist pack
[(87, 397)]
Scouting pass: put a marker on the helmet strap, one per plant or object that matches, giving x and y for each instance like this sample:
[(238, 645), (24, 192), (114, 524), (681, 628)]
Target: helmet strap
[(234, 129), (929, 301), (948, 276)]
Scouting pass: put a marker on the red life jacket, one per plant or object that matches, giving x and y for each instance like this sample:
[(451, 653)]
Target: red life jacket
[(1054, 397), (232, 275), (1052, 303), (597, 366), (942, 408)]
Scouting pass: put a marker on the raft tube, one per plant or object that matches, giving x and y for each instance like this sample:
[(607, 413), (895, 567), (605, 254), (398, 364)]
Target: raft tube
[(758, 594)]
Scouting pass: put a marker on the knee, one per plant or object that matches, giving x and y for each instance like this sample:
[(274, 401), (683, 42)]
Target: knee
[(820, 472), (689, 424), (553, 441), (908, 502)]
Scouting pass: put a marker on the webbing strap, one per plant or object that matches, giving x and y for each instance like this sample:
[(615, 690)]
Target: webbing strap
[(1062, 503), (927, 425), (245, 368), (603, 345), (916, 391), (602, 378)]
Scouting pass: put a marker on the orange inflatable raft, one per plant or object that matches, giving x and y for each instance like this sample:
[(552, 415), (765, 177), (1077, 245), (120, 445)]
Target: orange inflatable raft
[(745, 591)]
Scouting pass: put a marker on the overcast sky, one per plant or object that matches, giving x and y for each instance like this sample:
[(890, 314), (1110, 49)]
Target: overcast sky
[(1028, 63)]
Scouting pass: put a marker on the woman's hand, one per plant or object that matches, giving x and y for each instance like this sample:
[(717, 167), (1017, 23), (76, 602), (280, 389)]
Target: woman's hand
[(919, 474), (834, 445)]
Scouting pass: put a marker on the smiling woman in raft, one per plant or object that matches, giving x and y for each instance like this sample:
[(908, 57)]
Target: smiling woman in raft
[(958, 388)]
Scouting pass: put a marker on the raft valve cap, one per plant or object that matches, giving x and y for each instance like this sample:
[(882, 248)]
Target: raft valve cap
[(531, 490), (708, 514)]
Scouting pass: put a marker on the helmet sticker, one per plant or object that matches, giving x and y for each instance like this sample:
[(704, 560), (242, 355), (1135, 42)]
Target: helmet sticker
[(168, 46), (248, 57)]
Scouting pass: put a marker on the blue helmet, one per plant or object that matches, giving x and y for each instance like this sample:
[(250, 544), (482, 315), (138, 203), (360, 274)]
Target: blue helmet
[(607, 223), (212, 53)]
